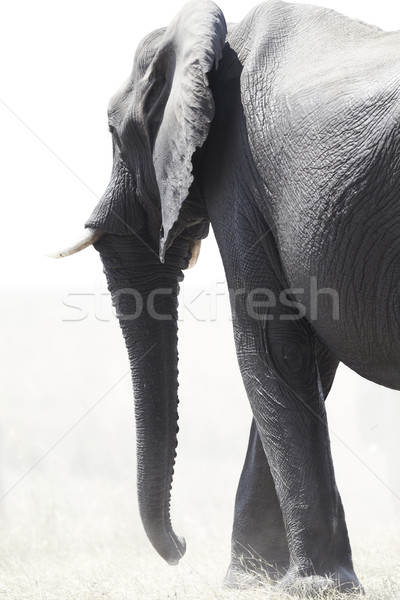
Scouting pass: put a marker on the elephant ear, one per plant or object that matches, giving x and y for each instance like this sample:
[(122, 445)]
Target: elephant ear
[(177, 102)]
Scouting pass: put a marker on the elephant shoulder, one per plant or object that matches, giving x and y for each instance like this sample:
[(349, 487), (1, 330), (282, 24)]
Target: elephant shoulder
[(310, 68), (292, 47)]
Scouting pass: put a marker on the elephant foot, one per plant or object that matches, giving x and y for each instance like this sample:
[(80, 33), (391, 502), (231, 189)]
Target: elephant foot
[(245, 573), (342, 581)]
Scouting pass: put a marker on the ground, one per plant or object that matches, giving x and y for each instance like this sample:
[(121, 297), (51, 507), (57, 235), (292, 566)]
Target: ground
[(104, 573)]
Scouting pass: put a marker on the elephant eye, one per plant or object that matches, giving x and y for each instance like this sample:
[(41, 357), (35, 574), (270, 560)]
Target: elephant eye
[(111, 129)]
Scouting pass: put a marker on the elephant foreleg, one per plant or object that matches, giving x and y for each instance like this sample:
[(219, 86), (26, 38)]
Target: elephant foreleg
[(284, 374), (259, 544)]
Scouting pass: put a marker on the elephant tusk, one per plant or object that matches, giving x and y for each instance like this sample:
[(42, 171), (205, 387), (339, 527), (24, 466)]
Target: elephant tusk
[(89, 237), (195, 251)]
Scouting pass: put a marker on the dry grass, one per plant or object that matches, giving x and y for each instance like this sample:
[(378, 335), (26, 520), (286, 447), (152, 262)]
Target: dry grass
[(48, 573)]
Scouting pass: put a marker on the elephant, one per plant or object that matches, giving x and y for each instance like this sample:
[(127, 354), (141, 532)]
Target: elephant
[(282, 132)]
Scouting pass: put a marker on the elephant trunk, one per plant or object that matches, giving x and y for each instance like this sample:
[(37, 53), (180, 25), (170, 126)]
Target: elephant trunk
[(145, 295)]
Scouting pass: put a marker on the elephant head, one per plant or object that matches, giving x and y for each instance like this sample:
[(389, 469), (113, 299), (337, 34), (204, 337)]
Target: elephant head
[(158, 119), (148, 226)]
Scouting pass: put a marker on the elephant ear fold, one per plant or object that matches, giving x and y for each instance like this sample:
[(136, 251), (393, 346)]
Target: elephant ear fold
[(178, 105)]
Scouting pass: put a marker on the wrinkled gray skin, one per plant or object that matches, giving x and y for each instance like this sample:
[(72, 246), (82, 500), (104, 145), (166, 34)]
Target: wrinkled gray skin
[(290, 148)]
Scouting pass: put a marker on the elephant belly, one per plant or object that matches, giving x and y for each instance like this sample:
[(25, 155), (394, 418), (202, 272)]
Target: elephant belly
[(350, 290)]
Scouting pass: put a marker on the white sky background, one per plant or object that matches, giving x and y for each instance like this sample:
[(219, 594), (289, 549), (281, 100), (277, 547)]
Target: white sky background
[(61, 62)]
